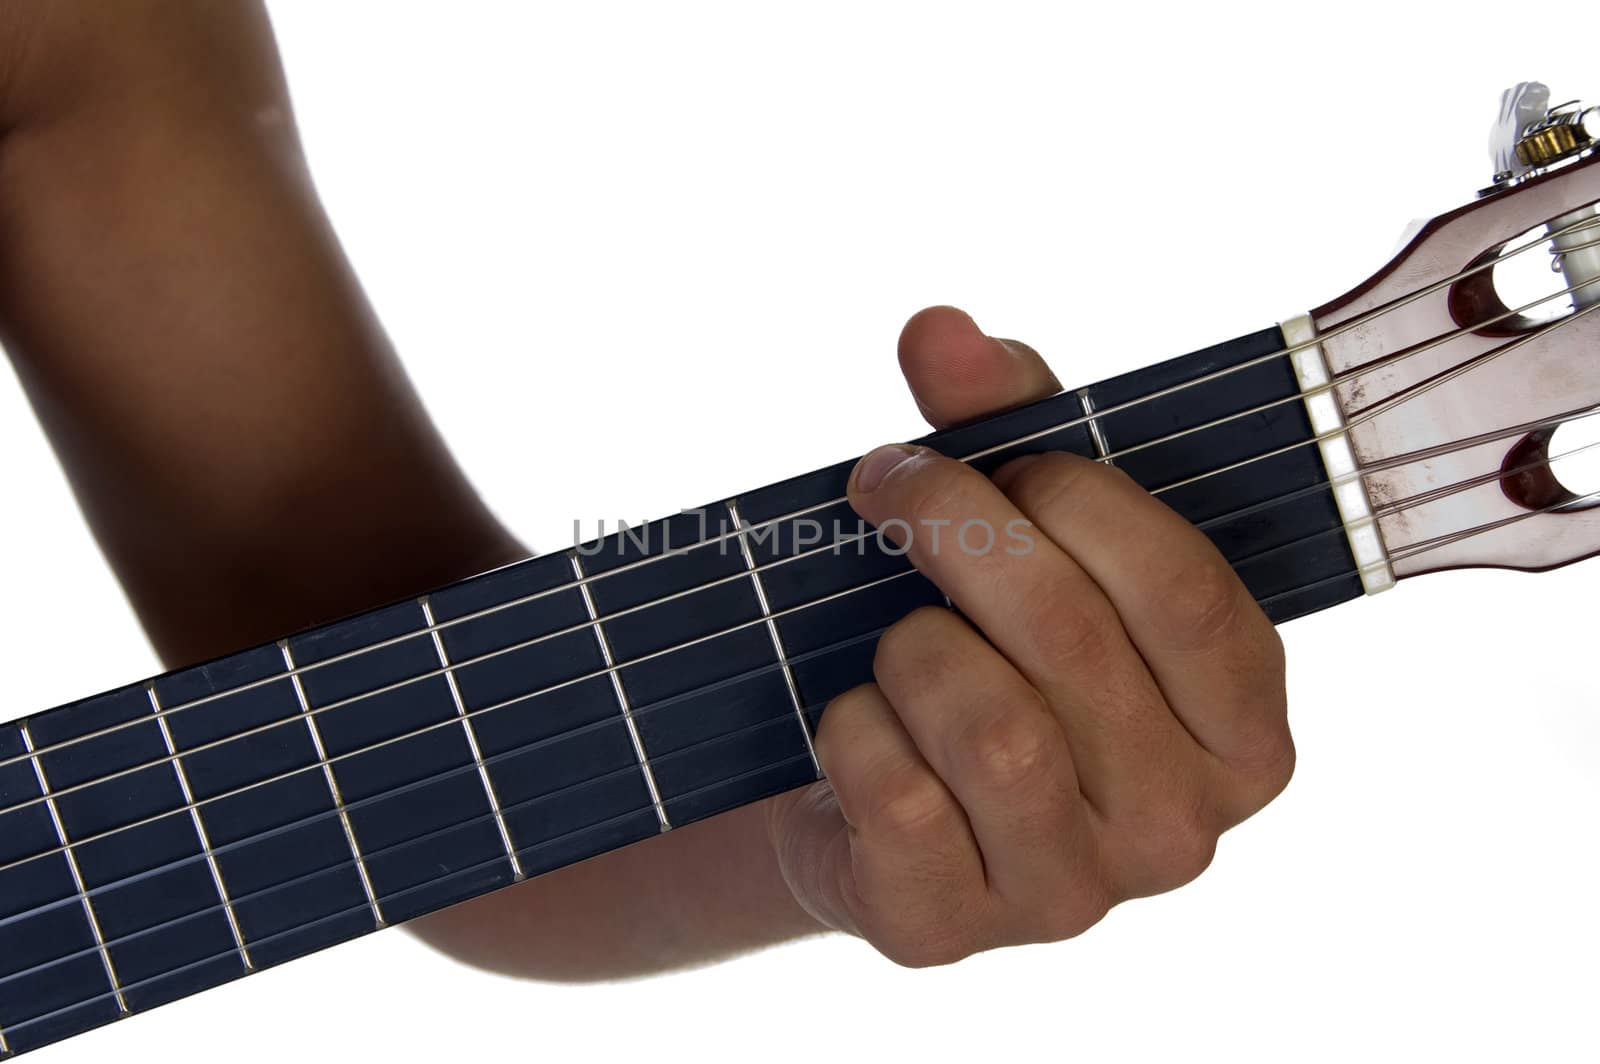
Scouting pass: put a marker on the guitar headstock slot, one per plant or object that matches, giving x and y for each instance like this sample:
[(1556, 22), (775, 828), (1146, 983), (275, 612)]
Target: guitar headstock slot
[(1434, 387)]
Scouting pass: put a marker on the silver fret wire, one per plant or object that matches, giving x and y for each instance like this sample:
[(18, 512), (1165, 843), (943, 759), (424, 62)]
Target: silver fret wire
[(1366, 415), (1397, 507), (1097, 435), (333, 784), (72, 868), (773, 633), (200, 832), (623, 702), (1337, 330), (1406, 553), (470, 730)]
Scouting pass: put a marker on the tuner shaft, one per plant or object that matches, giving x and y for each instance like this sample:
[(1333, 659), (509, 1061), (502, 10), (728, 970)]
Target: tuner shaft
[(1578, 254)]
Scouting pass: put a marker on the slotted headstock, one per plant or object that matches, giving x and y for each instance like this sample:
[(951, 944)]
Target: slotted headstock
[(1453, 390)]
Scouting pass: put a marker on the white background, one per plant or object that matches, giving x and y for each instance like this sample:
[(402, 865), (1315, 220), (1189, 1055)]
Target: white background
[(638, 256)]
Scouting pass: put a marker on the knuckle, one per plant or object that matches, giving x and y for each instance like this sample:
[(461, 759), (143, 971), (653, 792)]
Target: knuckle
[(1266, 767), (1061, 629), (1011, 748), (1165, 845), (1181, 847), (922, 948), (1270, 651), (832, 740), (909, 649), (1263, 757), (1202, 604), (939, 952), (1075, 913), (1261, 668), (906, 799)]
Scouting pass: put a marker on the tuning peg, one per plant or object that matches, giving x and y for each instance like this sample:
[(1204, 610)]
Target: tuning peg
[(1529, 136), (1521, 106)]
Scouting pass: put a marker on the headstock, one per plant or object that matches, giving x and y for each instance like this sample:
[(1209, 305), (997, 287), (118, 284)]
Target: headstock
[(1454, 391)]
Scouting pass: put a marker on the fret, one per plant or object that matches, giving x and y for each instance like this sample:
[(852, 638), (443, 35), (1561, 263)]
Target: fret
[(321, 750), (604, 645), (759, 587), (269, 803), (405, 789), (719, 702), (44, 915), (199, 826), (559, 750), (133, 843), (77, 875), (471, 732), (1102, 449)]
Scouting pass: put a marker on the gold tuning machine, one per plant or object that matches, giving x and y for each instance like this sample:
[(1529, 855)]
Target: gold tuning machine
[(1530, 136), (1554, 139)]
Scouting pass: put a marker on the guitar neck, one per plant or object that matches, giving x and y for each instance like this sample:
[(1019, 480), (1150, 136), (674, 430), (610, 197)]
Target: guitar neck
[(169, 836)]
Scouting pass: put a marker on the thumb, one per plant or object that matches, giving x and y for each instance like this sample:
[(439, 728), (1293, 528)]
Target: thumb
[(956, 373)]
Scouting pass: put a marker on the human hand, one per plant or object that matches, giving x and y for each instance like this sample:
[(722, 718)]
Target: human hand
[(1110, 702)]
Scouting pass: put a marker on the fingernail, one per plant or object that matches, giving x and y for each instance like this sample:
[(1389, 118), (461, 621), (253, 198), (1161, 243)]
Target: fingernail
[(871, 470)]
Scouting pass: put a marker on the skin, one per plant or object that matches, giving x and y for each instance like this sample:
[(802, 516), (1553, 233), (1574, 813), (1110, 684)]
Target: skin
[(195, 344)]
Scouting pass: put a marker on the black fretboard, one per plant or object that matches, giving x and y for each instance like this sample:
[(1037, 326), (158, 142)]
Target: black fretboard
[(172, 835)]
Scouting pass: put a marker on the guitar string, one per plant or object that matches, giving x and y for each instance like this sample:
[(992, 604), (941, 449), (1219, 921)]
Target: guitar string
[(1358, 320), (1366, 415), (1429, 498), (1400, 398), (1412, 458), (364, 907)]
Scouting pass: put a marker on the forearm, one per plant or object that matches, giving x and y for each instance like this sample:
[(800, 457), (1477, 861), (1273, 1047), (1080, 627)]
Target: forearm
[(243, 442), (694, 895), (246, 448)]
